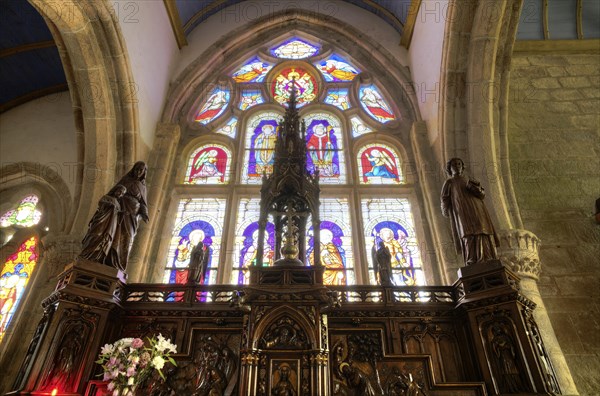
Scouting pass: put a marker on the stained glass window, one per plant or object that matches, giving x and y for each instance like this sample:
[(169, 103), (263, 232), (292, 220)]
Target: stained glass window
[(261, 135), (338, 97), (336, 68), (324, 144), (250, 99), (246, 239), (14, 277), (255, 70), (214, 106), (209, 164), (294, 49), (306, 86), (198, 219), (374, 104), (336, 242), (229, 129), (390, 220), (359, 127), (379, 164), (25, 215)]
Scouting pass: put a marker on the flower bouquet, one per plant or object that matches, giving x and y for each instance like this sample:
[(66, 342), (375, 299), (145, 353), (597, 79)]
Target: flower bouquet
[(127, 362)]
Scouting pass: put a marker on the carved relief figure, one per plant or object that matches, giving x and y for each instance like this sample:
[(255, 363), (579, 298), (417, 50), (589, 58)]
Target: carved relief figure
[(504, 350), (357, 380), (284, 334), (134, 207), (62, 372), (103, 226), (472, 228), (285, 381)]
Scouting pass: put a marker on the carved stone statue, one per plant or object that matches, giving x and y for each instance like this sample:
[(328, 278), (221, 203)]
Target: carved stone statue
[(103, 226), (198, 264), (472, 228), (133, 206), (382, 263)]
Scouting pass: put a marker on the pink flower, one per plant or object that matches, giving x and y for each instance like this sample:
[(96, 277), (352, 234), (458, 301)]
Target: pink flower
[(137, 343), (130, 371)]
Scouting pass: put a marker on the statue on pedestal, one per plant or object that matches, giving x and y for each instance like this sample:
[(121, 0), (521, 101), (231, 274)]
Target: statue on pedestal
[(103, 226), (198, 268), (133, 207), (472, 228), (382, 263)]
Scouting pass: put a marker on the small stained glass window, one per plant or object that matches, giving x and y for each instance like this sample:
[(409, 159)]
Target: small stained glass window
[(336, 242), (246, 241), (295, 49), (379, 164), (359, 127), (198, 219), (250, 99), (374, 104), (338, 97), (336, 68), (25, 215), (230, 128), (214, 106), (261, 135), (324, 145), (306, 86), (209, 164), (390, 220), (255, 70), (14, 277)]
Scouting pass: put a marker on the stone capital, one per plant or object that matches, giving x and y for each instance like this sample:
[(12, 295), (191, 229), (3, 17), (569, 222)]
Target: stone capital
[(59, 250), (519, 251)]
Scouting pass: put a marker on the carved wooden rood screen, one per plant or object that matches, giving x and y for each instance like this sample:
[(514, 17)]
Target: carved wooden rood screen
[(285, 333)]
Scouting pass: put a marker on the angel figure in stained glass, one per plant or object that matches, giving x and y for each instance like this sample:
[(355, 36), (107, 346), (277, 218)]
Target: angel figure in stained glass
[(340, 71), (251, 72), (382, 163), (376, 105), (213, 107), (205, 165)]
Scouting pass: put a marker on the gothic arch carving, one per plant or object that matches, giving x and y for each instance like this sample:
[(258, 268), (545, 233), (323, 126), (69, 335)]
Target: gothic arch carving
[(267, 337)]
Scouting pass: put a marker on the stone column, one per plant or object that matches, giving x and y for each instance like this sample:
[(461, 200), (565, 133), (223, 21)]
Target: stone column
[(160, 167), (519, 251)]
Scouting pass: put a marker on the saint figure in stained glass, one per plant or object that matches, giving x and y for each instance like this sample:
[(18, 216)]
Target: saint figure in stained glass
[(262, 148), (14, 277), (209, 165), (322, 146), (189, 236), (333, 256), (294, 49), (254, 70), (25, 215), (336, 68), (394, 238), (378, 165), (248, 252), (306, 86), (375, 105), (214, 106)]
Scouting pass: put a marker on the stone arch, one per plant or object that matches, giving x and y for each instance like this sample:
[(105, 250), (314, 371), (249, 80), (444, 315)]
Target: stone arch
[(280, 313), (102, 92)]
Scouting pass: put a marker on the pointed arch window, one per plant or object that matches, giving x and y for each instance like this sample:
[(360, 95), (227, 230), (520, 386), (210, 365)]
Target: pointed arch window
[(324, 142), (14, 277), (379, 164), (209, 164), (25, 215), (390, 220), (198, 219)]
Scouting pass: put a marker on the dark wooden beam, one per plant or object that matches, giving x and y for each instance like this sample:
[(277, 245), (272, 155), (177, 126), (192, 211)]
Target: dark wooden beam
[(33, 95), (26, 47)]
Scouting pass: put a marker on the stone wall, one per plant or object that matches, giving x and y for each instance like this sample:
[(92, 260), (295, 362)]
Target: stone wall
[(554, 143)]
